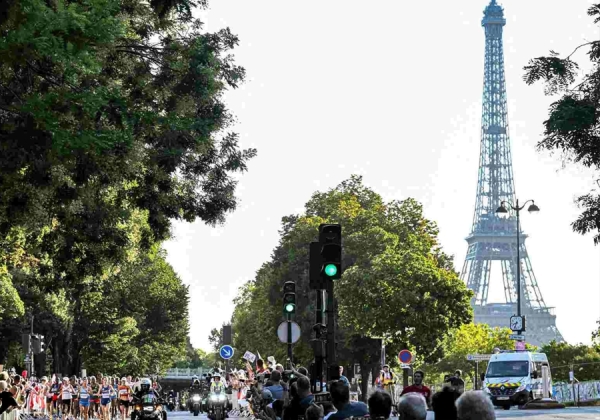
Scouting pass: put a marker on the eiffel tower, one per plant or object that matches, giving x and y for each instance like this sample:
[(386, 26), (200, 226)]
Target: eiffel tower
[(492, 237)]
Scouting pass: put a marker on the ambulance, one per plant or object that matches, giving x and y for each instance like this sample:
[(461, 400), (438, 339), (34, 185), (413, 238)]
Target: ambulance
[(515, 378)]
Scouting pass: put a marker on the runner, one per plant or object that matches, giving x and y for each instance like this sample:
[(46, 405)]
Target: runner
[(124, 393), (84, 392), (105, 392)]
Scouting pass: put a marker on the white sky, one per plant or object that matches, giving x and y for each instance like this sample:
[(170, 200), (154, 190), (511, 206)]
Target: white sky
[(390, 90)]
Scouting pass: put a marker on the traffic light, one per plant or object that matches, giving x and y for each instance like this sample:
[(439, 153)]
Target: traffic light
[(36, 344), (289, 297), (330, 238), (26, 343)]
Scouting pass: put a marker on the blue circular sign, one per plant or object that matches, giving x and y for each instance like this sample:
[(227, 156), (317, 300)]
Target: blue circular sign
[(405, 357), (226, 352)]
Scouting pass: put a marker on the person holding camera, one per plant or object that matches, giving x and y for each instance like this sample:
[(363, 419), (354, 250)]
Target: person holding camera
[(340, 397), (302, 399)]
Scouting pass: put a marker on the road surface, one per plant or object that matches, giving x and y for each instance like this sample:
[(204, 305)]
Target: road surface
[(582, 413)]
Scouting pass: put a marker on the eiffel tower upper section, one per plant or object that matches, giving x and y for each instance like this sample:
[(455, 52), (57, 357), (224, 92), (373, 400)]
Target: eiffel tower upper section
[(493, 238), (495, 183)]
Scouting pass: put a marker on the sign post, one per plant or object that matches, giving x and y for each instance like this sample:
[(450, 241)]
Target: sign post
[(478, 358), (405, 357)]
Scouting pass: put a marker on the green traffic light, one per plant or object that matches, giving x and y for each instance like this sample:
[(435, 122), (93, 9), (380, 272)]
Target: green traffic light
[(289, 307), (330, 270)]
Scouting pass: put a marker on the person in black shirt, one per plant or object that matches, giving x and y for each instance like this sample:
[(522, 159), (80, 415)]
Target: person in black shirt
[(8, 399), (301, 399)]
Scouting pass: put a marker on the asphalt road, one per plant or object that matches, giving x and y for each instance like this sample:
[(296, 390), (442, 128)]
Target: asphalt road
[(583, 413)]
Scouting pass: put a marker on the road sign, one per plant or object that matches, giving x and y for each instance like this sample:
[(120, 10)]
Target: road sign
[(405, 357), (518, 337), (282, 332), (226, 352), (519, 345), (479, 357)]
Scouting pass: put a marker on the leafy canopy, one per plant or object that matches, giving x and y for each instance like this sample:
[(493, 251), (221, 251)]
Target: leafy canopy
[(572, 127), (112, 125), (395, 271)]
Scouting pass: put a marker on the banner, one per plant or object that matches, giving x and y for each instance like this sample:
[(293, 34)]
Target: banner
[(251, 357)]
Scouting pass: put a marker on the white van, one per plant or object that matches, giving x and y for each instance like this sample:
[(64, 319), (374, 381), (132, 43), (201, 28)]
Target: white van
[(515, 378)]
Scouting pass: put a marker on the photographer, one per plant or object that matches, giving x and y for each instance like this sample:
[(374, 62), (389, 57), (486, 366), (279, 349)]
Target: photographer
[(302, 398)]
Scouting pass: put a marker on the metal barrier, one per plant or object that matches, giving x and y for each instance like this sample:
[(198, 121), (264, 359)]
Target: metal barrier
[(13, 415), (578, 392)]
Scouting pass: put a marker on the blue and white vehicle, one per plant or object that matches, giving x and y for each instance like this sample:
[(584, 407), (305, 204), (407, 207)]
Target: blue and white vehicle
[(515, 378)]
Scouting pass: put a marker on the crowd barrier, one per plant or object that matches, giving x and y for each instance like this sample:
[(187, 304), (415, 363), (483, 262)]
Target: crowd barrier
[(13, 415), (580, 392)]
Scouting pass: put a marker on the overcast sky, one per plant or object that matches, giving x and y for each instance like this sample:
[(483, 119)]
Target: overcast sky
[(390, 90)]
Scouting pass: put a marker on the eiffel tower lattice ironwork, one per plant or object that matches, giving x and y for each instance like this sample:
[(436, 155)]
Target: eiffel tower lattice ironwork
[(494, 238)]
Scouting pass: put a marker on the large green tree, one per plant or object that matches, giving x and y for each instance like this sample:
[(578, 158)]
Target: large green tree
[(573, 125), (582, 359), (397, 283), (112, 125), (468, 339)]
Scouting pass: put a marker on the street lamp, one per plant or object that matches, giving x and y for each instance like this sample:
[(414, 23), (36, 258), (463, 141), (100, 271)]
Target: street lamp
[(504, 210)]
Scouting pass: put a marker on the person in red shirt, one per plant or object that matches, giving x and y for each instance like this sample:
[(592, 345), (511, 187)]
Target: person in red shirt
[(418, 387)]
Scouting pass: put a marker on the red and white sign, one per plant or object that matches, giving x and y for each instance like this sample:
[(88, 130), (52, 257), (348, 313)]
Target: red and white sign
[(405, 357), (519, 345)]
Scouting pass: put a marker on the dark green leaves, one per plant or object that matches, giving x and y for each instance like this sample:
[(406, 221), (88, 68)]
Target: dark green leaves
[(573, 125)]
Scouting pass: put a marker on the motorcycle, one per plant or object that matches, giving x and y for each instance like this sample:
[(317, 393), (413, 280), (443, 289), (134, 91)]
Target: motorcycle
[(195, 403), (217, 405), (171, 404), (148, 408)]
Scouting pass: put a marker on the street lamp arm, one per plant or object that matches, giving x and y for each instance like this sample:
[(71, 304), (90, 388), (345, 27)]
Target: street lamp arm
[(524, 204)]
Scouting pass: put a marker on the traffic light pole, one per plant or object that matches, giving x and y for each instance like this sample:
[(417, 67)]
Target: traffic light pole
[(30, 367), (330, 329), (289, 338)]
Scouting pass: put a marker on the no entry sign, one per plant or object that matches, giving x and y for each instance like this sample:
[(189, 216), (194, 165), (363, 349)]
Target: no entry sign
[(405, 357)]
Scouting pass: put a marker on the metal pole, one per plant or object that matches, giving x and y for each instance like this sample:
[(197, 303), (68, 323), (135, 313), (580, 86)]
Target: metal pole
[(289, 337), (476, 375), (382, 353), (318, 374), (31, 351), (330, 326), (518, 264)]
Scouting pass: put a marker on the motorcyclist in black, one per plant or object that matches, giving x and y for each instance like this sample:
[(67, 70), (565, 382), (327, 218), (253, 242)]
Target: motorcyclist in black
[(196, 386), (146, 394)]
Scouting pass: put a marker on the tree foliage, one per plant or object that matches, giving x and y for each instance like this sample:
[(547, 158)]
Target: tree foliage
[(573, 125), (583, 359), (468, 339), (394, 270), (112, 124)]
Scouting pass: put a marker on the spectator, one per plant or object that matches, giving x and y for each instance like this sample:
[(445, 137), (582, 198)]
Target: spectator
[(412, 407), (276, 388), (328, 409), (342, 377), (301, 399), (315, 412), (444, 403), (457, 381), (7, 397), (340, 396), (475, 405), (418, 387), (380, 405)]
